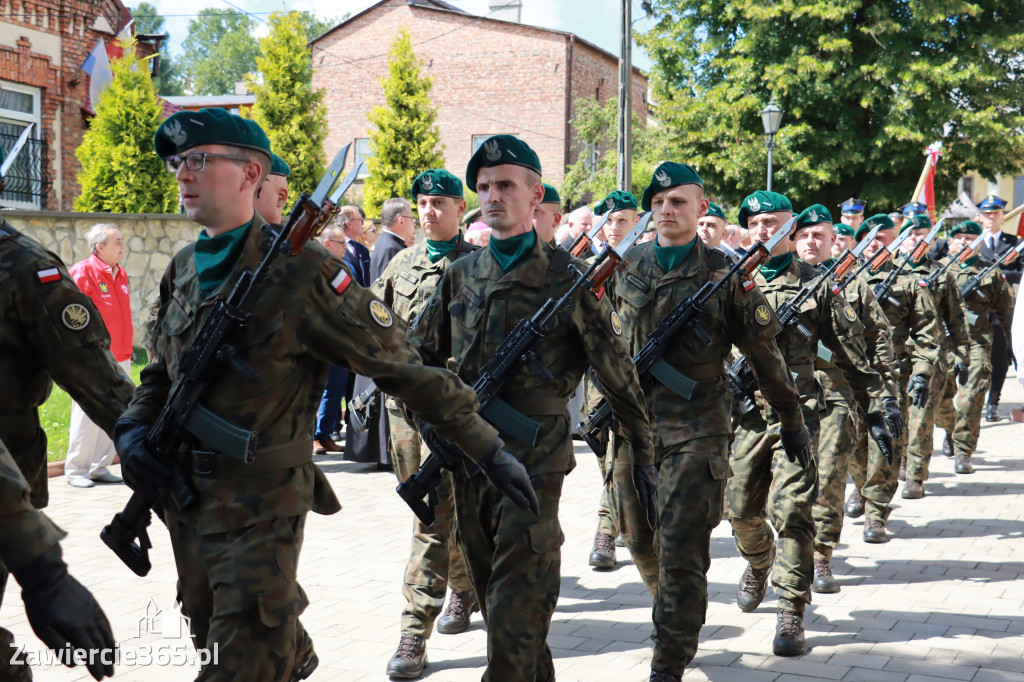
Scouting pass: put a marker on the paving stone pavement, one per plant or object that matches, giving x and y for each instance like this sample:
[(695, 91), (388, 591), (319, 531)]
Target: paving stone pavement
[(944, 600)]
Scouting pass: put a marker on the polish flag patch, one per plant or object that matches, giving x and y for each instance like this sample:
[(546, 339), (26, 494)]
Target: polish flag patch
[(50, 275), (341, 281)]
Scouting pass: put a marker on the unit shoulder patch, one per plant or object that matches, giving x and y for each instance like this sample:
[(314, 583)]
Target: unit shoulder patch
[(762, 315), (380, 314), (75, 316)]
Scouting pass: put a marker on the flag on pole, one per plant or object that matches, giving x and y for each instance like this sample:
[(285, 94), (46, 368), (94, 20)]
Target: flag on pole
[(926, 189), (97, 65), (115, 50)]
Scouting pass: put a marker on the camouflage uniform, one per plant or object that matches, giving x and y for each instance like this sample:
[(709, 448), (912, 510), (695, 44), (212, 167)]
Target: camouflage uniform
[(915, 338), (237, 550), (691, 436), (761, 468), (955, 342), (434, 562), (842, 418), (513, 556), (992, 299)]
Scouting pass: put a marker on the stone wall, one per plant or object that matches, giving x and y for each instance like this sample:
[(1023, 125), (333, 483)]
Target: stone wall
[(150, 241)]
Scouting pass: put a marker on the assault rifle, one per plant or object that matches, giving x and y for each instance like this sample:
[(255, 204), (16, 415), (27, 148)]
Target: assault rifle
[(961, 257), (516, 350), (848, 259), (582, 244), (649, 361), (883, 290), (183, 415), (971, 285)]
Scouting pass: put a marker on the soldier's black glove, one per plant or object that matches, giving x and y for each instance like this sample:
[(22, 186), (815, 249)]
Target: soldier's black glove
[(797, 446), (143, 472), (62, 613), (918, 388), (509, 476), (880, 434), (893, 417), (645, 478)]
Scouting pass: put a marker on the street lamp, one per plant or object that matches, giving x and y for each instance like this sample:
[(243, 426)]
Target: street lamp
[(771, 117)]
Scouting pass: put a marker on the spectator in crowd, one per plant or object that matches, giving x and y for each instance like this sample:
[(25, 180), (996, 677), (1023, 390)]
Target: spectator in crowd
[(580, 221), (351, 218), (733, 238), (101, 278), (479, 234)]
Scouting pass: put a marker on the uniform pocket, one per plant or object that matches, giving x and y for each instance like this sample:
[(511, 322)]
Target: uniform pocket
[(282, 605), (546, 536)]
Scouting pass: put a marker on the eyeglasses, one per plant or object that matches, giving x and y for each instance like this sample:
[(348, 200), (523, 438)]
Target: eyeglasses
[(196, 161), (410, 217)]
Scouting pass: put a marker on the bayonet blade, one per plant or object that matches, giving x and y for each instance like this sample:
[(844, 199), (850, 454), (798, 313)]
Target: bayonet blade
[(15, 150), (633, 235), (898, 241), (347, 182), (596, 227), (331, 175), (934, 231), (976, 244), (870, 237), (783, 233)]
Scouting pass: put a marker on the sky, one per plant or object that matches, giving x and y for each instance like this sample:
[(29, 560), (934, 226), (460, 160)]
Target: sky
[(595, 20)]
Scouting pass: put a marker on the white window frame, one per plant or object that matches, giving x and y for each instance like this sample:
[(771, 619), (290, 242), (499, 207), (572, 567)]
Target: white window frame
[(21, 118)]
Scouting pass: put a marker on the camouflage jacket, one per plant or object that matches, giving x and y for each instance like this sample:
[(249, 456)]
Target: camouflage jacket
[(645, 294), (993, 298), (914, 320), (310, 314), (25, 532), (50, 331), (831, 321), (950, 304), (476, 305)]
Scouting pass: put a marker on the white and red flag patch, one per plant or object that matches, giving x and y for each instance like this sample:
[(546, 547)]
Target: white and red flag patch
[(341, 281), (50, 275)]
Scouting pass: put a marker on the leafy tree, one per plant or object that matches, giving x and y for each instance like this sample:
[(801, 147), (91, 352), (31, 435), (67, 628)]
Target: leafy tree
[(314, 27), (121, 172), (170, 80), (287, 106), (866, 85), (219, 50), (405, 139)]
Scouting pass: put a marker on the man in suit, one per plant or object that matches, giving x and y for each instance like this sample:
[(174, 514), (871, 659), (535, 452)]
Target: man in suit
[(399, 231), (350, 218), (996, 243)]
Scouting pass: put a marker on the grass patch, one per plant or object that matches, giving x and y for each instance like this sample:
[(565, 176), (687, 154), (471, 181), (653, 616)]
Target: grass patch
[(55, 414)]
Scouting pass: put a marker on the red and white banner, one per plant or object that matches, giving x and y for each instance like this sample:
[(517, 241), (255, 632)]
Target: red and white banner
[(926, 186)]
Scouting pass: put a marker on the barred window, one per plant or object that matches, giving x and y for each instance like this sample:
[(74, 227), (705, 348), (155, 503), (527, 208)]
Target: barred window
[(20, 106)]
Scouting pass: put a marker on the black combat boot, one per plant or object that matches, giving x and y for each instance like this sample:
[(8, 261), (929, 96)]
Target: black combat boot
[(854, 505), (824, 581), (461, 606), (963, 463), (789, 634), (303, 670), (658, 676), (602, 556), (992, 413), (947, 445), (874, 532), (410, 659)]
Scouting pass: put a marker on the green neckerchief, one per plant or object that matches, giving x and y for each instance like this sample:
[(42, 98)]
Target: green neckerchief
[(511, 251), (216, 256), (671, 257), (969, 262), (775, 265), (828, 263), (438, 250)]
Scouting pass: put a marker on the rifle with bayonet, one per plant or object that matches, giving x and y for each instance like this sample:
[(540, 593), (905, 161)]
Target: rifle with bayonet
[(582, 244), (961, 257), (883, 290), (685, 315), (201, 367), (517, 349), (874, 264), (972, 285)]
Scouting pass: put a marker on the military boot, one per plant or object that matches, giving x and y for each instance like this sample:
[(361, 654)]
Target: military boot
[(789, 634), (947, 445), (903, 469), (854, 505), (410, 659), (602, 556), (963, 463), (658, 676), (303, 670), (461, 606), (992, 413), (619, 542), (913, 490), (752, 586), (874, 532), (824, 581)]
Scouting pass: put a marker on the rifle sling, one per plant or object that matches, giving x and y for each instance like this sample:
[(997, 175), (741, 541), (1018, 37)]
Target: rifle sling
[(682, 383)]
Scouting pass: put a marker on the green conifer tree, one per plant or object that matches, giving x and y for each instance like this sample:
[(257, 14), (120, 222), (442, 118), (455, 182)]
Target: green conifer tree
[(121, 172), (287, 107), (405, 139)]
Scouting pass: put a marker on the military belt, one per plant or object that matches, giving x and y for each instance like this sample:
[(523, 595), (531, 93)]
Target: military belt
[(210, 464)]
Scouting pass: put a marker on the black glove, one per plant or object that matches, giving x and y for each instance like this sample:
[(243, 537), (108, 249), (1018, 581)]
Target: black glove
[(143, 472), (62, 612), (645, 478), (797, 445), (880, 434), (893, 417), (918, 389), (509, 476)]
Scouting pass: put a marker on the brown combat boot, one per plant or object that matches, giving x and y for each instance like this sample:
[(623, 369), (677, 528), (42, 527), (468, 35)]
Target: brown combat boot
[(947, 445), (824, 581), (304, 669), (461, 605), (753, 583), (854, 505), (874, 532), (913, 490), (963, 463), (789, 634), (410, 659), (658, 676), (602, 556)]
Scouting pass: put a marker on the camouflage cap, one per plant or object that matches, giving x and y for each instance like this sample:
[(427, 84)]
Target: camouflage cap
[(550, 195), (616, 201), (966, 227), (762, 201), (814, 214), (437, 181), (187, 129), (916, 222), (499, 150), (666, 176), (882, 219), (844, 229), (715, 211), (278, 166)]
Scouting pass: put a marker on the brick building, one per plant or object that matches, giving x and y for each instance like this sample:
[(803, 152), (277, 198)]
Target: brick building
[(42, 46), (490, 76)]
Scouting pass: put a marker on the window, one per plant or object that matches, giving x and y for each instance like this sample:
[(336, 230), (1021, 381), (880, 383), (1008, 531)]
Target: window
[(479, 140), (19, 106), (362, 154), (967, 186), (1018, 191)]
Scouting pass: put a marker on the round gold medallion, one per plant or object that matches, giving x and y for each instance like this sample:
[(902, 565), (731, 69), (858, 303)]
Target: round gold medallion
[(380, 314), (75, 316)]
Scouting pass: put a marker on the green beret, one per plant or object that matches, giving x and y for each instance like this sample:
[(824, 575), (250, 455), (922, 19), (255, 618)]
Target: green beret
[(813, 215), (278, 166), (917, 222), (616, 201), (669, 175), (715, 211), (499, 150), (882, 219), (437, 181), (763, 202), (844, 229), (550, 195), (967, 227), (187, 129)]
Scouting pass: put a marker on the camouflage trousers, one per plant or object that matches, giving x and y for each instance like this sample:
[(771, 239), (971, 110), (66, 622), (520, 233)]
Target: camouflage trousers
[(514, 560), (922, 421), (9, 672), (872, 475), (766, 485), (835, 443), (963, 420), (606, 516), (240, 592), (434, 560)]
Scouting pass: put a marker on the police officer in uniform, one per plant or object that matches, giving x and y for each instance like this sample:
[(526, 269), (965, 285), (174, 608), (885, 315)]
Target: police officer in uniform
[(851, 212)]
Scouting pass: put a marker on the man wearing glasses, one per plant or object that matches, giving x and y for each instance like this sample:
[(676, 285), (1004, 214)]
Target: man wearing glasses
[(352, 225), (399, 232)]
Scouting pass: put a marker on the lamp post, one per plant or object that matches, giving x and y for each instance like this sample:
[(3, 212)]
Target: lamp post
[(771, 117)]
